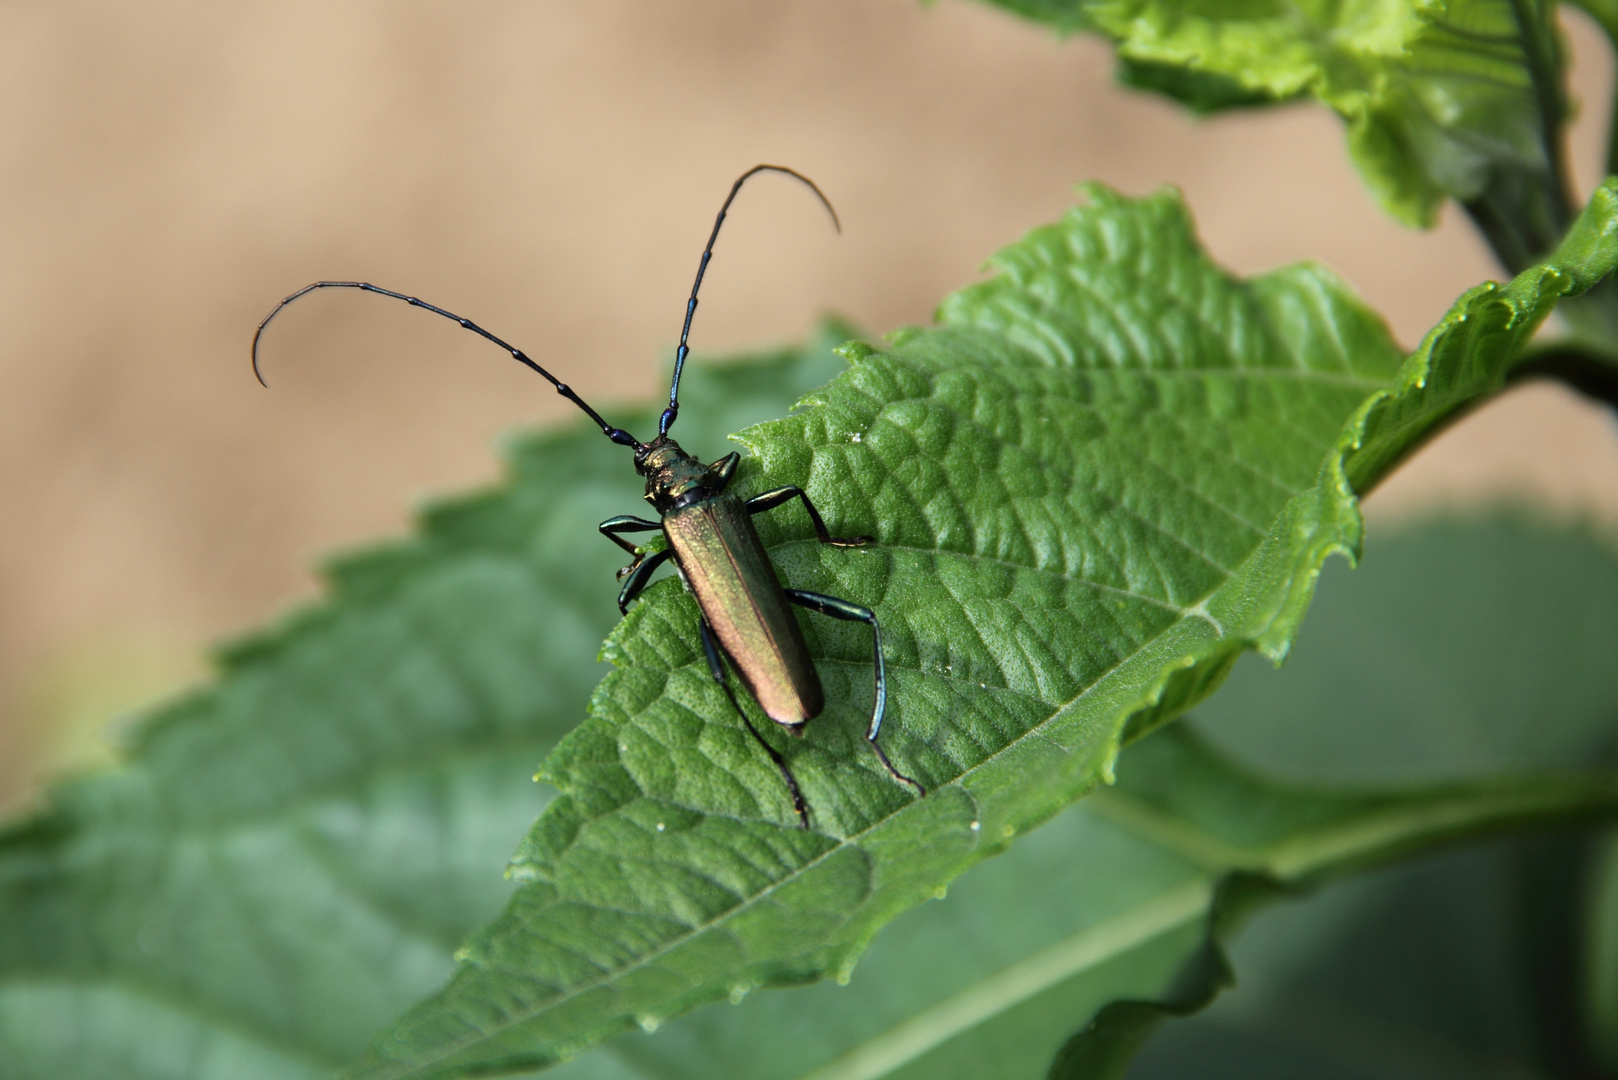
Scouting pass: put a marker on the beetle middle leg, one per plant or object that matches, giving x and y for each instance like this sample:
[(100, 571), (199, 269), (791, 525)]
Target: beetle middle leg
[(637, 575), (843, 609), (717, 666), (771, 499), (628, 523)]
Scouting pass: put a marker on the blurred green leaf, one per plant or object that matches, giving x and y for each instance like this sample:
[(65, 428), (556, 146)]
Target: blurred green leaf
[(1464, 648), (1111, 470), (1448, 969), (288, 859), (1460, 651), (1456, 99)]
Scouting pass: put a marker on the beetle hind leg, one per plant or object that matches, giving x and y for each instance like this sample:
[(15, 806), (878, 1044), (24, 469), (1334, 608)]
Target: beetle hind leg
[(717, 666), (851, 612), (769, 500)]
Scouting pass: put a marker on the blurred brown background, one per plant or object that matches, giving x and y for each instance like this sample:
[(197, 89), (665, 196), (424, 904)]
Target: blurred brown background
[(169, 170)]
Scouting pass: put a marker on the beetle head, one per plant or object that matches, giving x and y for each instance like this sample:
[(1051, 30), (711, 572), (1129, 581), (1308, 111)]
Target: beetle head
[(674, 478)]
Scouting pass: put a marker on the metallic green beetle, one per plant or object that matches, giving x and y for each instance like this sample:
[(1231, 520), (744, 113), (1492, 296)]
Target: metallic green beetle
[(745, 612)]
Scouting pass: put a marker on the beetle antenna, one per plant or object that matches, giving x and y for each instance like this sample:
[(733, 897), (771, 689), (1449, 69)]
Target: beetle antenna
[(617, 435), (667, 419)]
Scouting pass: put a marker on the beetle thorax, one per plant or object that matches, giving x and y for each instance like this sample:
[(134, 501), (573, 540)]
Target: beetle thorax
[(675, 478)]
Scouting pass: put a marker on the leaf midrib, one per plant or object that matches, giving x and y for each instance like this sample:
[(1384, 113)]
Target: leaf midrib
[(1378, 824), (942, 1021), (976, 556)]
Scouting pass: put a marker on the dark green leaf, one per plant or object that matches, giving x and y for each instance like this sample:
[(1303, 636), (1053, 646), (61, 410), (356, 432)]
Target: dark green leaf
[(1456, 968), (1111, 470), (1457, 652)]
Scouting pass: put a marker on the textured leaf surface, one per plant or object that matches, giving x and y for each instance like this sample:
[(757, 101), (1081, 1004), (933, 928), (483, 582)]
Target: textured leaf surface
[(1440, 98), (1434, 694), (289, 859), (1108, 472)]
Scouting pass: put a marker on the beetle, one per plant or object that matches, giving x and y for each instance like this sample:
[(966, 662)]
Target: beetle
[(745, 613)]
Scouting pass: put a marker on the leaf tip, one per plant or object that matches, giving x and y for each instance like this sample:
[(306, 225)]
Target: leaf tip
[(857, 351)]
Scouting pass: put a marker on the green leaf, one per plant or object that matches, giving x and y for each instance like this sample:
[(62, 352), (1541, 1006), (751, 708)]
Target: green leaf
[(1110, 470), (1458, 99), (288, 859), (1399, 723)]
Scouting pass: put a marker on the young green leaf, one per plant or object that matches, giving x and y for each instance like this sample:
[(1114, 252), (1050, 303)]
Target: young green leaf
[(288, 859), (1110, 470), (1457, 100)]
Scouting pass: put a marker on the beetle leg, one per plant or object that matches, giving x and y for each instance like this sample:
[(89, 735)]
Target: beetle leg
[(640, 572), (771, 499), (717, 666), (628, 523), (843, 609)]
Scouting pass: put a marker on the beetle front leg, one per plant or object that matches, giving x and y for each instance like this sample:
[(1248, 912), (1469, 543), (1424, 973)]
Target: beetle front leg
[(843, 609), (771, 499), (717, 667), (628, 523)]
